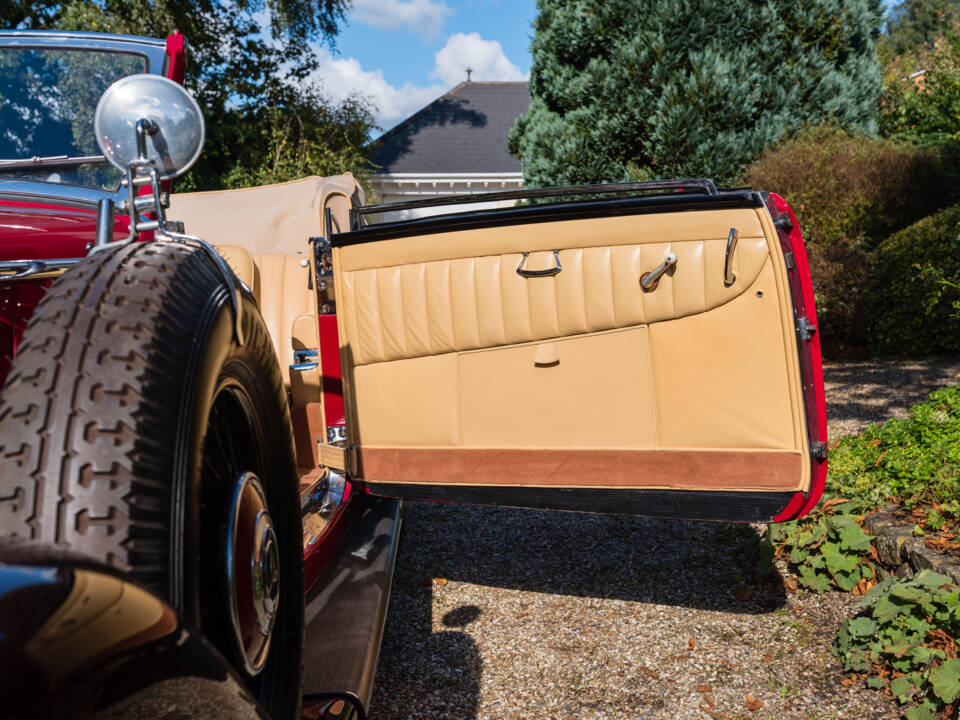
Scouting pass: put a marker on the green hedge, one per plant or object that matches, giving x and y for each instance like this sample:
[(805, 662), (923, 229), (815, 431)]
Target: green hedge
[(850, 192), (913, 288)]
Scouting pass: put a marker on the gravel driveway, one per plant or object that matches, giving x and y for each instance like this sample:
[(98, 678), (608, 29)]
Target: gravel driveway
[(503, 613)]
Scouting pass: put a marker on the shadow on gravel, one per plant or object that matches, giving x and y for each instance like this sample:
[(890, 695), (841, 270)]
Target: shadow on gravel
[(662, 562)]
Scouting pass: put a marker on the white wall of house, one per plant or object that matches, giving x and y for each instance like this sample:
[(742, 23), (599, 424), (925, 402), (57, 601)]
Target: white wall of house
[(403, 187)]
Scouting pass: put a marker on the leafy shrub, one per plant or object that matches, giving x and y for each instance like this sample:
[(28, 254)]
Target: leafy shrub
[(845, 187), (827, 548), (904, 638), (849, 193), (916, 458), (914, 288)]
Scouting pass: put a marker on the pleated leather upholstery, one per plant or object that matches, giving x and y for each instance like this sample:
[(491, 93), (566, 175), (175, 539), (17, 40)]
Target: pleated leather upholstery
[(429, 308)]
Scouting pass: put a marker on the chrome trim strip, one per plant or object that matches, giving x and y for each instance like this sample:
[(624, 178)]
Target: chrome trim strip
[(57, 194), (27, 268)]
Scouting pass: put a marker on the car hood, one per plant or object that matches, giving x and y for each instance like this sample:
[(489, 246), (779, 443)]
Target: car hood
[(34, 231)]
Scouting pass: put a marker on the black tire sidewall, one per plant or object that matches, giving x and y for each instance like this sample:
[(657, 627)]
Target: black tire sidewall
[(216, 356)]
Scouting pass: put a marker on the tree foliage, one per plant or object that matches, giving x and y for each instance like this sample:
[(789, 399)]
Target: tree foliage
[(921, 54), (248, 67), (624, 90)]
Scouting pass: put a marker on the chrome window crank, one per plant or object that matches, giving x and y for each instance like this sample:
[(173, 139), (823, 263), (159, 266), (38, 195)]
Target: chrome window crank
[(650, 280), (729, 276)]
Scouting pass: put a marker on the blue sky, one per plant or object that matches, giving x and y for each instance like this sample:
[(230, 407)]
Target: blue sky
[(405, 53)]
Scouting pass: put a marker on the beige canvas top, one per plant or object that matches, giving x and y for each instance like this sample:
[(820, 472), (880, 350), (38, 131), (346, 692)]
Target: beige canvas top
[(271, 218)]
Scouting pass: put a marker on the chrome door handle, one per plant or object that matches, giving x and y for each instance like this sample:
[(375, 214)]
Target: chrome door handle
[(650, 280), (540, 273), (729, 276), (302, 360)]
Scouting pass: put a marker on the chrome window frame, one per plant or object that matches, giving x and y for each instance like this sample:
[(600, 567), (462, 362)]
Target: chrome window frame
[(155, 51), (155, 54)]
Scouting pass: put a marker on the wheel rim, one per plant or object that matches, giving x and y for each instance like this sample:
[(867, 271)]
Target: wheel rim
[(252, 572), (239, 553)]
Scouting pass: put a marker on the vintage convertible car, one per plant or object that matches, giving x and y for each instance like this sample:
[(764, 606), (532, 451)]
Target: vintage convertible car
[(188, 553), (250, 387)]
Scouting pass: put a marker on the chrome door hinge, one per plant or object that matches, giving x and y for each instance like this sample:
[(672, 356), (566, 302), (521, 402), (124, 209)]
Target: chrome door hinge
[(818, 451), (336, 433), (805, 328)]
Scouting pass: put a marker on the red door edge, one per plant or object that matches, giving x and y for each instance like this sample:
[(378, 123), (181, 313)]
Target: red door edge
[(176, 63), (810, 356)]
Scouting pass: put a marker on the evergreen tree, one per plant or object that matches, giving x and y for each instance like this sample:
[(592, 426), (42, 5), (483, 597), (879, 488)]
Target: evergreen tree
[(623, 89)]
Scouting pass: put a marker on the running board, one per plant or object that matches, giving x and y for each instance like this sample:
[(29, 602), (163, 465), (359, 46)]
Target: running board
[(347, 607), (725, 506)]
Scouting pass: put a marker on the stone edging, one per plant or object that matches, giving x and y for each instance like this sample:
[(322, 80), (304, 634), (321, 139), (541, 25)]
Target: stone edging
[(901, 552)]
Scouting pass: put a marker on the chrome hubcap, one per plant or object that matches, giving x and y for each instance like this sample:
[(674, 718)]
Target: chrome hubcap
[(252, 563)]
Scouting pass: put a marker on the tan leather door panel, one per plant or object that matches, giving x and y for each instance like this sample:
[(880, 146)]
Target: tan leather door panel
[(459, 370)]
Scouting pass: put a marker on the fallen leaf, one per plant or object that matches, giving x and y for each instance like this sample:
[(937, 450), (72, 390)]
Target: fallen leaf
[(846, 682), (766, 658), (440, 581), (704, 689), (671, 681), (743, 594), (835, 501), (649, 673), (873, 554), (709, 701), (753, 703), (522, 615), (691, 643), (790, 584)]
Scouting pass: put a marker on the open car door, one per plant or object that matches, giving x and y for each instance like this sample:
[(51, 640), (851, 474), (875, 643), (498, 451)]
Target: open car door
[(645, 348)]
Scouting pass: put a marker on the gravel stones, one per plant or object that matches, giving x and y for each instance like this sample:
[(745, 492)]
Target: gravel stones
[(873, 391), (503, 613)]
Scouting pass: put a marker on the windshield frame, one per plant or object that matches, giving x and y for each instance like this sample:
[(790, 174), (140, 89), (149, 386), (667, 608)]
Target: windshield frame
[(153, 51)]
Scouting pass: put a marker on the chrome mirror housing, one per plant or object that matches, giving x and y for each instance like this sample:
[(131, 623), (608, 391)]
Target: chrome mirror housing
[(152, 129), (149, 121)]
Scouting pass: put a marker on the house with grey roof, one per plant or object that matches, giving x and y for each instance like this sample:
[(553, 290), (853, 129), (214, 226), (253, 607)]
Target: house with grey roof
[(455, 145)]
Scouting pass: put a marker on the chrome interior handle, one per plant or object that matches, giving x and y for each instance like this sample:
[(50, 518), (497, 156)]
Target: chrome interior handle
[(303, 360), (650, 280), (540, 273), (729, 276)]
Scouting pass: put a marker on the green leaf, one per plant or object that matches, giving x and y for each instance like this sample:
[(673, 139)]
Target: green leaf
[(920, 712), (945, 680), (876, 683), (821, 583), (932, 580), (875, 593), (902, 688), (924, 655), (909, 593), (847, 581), (861, 627)]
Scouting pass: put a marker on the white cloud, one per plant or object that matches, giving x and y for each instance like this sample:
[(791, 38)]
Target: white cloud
[(341, 77), (424, 17), (485, 57)]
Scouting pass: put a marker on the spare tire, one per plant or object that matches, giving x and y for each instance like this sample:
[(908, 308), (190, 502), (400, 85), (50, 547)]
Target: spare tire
[(136, 429)]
